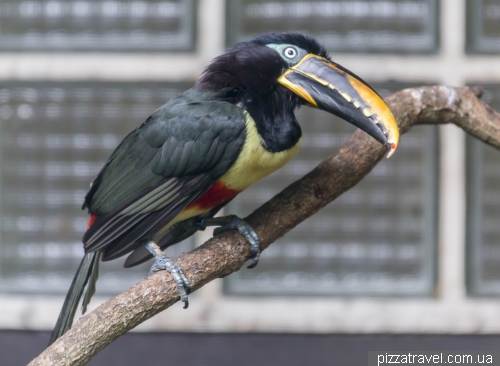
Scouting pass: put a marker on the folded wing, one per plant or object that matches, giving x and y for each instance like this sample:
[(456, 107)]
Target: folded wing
[(166, 164)]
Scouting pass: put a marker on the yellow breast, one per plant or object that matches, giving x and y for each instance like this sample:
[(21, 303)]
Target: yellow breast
[(255, 162)]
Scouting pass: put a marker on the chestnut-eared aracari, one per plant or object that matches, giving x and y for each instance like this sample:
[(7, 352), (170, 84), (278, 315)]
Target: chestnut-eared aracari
[(170, 176)]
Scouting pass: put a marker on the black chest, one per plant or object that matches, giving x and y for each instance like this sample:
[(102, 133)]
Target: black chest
[(276, 124)]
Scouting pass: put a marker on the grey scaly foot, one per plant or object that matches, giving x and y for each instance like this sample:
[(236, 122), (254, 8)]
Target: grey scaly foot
[(232, 222), (163, 262)]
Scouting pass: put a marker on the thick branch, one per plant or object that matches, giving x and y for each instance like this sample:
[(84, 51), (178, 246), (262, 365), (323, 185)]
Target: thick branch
[(228, 252)]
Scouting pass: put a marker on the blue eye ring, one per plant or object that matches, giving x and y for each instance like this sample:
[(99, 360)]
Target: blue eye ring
[(290, 53)]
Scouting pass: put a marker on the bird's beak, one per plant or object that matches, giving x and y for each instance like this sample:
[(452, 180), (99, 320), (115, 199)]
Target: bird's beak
[(330, 87)]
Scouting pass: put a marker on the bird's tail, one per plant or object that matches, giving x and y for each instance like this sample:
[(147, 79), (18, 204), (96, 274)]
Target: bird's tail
[(87, 273)]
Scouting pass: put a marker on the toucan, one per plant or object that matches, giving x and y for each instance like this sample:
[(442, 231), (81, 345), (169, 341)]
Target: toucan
[(172, 174)]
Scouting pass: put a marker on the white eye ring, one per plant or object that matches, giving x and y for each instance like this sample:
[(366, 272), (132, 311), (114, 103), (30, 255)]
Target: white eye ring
[(290, 52)]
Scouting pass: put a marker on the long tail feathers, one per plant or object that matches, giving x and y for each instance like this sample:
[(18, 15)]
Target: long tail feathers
[(94, 275), (87, 273)]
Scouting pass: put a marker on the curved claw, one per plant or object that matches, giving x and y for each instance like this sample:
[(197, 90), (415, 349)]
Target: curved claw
[(254, 262)]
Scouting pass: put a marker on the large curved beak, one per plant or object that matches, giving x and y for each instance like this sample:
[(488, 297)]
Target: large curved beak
[(330, 87)]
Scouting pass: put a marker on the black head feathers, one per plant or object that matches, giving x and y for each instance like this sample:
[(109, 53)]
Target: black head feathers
[(307, 43), (253, 66)]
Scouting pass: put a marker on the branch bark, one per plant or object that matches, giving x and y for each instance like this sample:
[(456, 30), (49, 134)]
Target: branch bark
[(227, 253)]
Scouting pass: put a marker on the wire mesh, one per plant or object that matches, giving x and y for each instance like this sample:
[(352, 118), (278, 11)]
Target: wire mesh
[(401, 26), (55, 137)]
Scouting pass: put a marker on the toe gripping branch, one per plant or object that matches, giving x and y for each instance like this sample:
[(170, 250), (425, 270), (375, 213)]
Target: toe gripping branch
[(232, 222), (163, 262)]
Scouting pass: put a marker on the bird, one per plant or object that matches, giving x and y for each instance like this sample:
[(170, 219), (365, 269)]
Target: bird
[(170, 176)]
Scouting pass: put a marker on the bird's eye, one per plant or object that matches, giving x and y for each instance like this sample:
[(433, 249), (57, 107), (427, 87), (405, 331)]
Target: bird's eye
[(290, 52)]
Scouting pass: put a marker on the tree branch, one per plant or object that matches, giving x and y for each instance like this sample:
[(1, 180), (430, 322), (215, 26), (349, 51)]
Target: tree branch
[(226, 253)]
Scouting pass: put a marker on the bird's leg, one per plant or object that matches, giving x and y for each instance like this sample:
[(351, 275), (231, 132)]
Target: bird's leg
[(162, 262), (233, 222)]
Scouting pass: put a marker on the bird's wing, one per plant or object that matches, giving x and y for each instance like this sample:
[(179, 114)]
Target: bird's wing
[(159, 169)]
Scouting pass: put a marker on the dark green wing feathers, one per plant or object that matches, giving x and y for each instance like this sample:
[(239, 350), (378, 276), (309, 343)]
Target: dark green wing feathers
[(160, 168)]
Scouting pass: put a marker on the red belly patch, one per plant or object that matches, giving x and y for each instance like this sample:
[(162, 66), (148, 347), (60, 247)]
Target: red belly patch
[(215, 196), (91, 220)]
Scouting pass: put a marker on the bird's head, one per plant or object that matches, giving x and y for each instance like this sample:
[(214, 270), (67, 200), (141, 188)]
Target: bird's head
[(294, 69)]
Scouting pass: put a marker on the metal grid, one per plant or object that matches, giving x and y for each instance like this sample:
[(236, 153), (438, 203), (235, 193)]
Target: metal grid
[(483, 26), (55, 137), (483, 210), (386, 26), (379, 238), (97, 25)]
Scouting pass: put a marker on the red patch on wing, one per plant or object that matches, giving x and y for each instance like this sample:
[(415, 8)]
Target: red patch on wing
[(91, 220), (215, 196)]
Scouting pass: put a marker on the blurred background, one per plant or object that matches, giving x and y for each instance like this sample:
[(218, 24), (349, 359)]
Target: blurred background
[(408, 259)]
